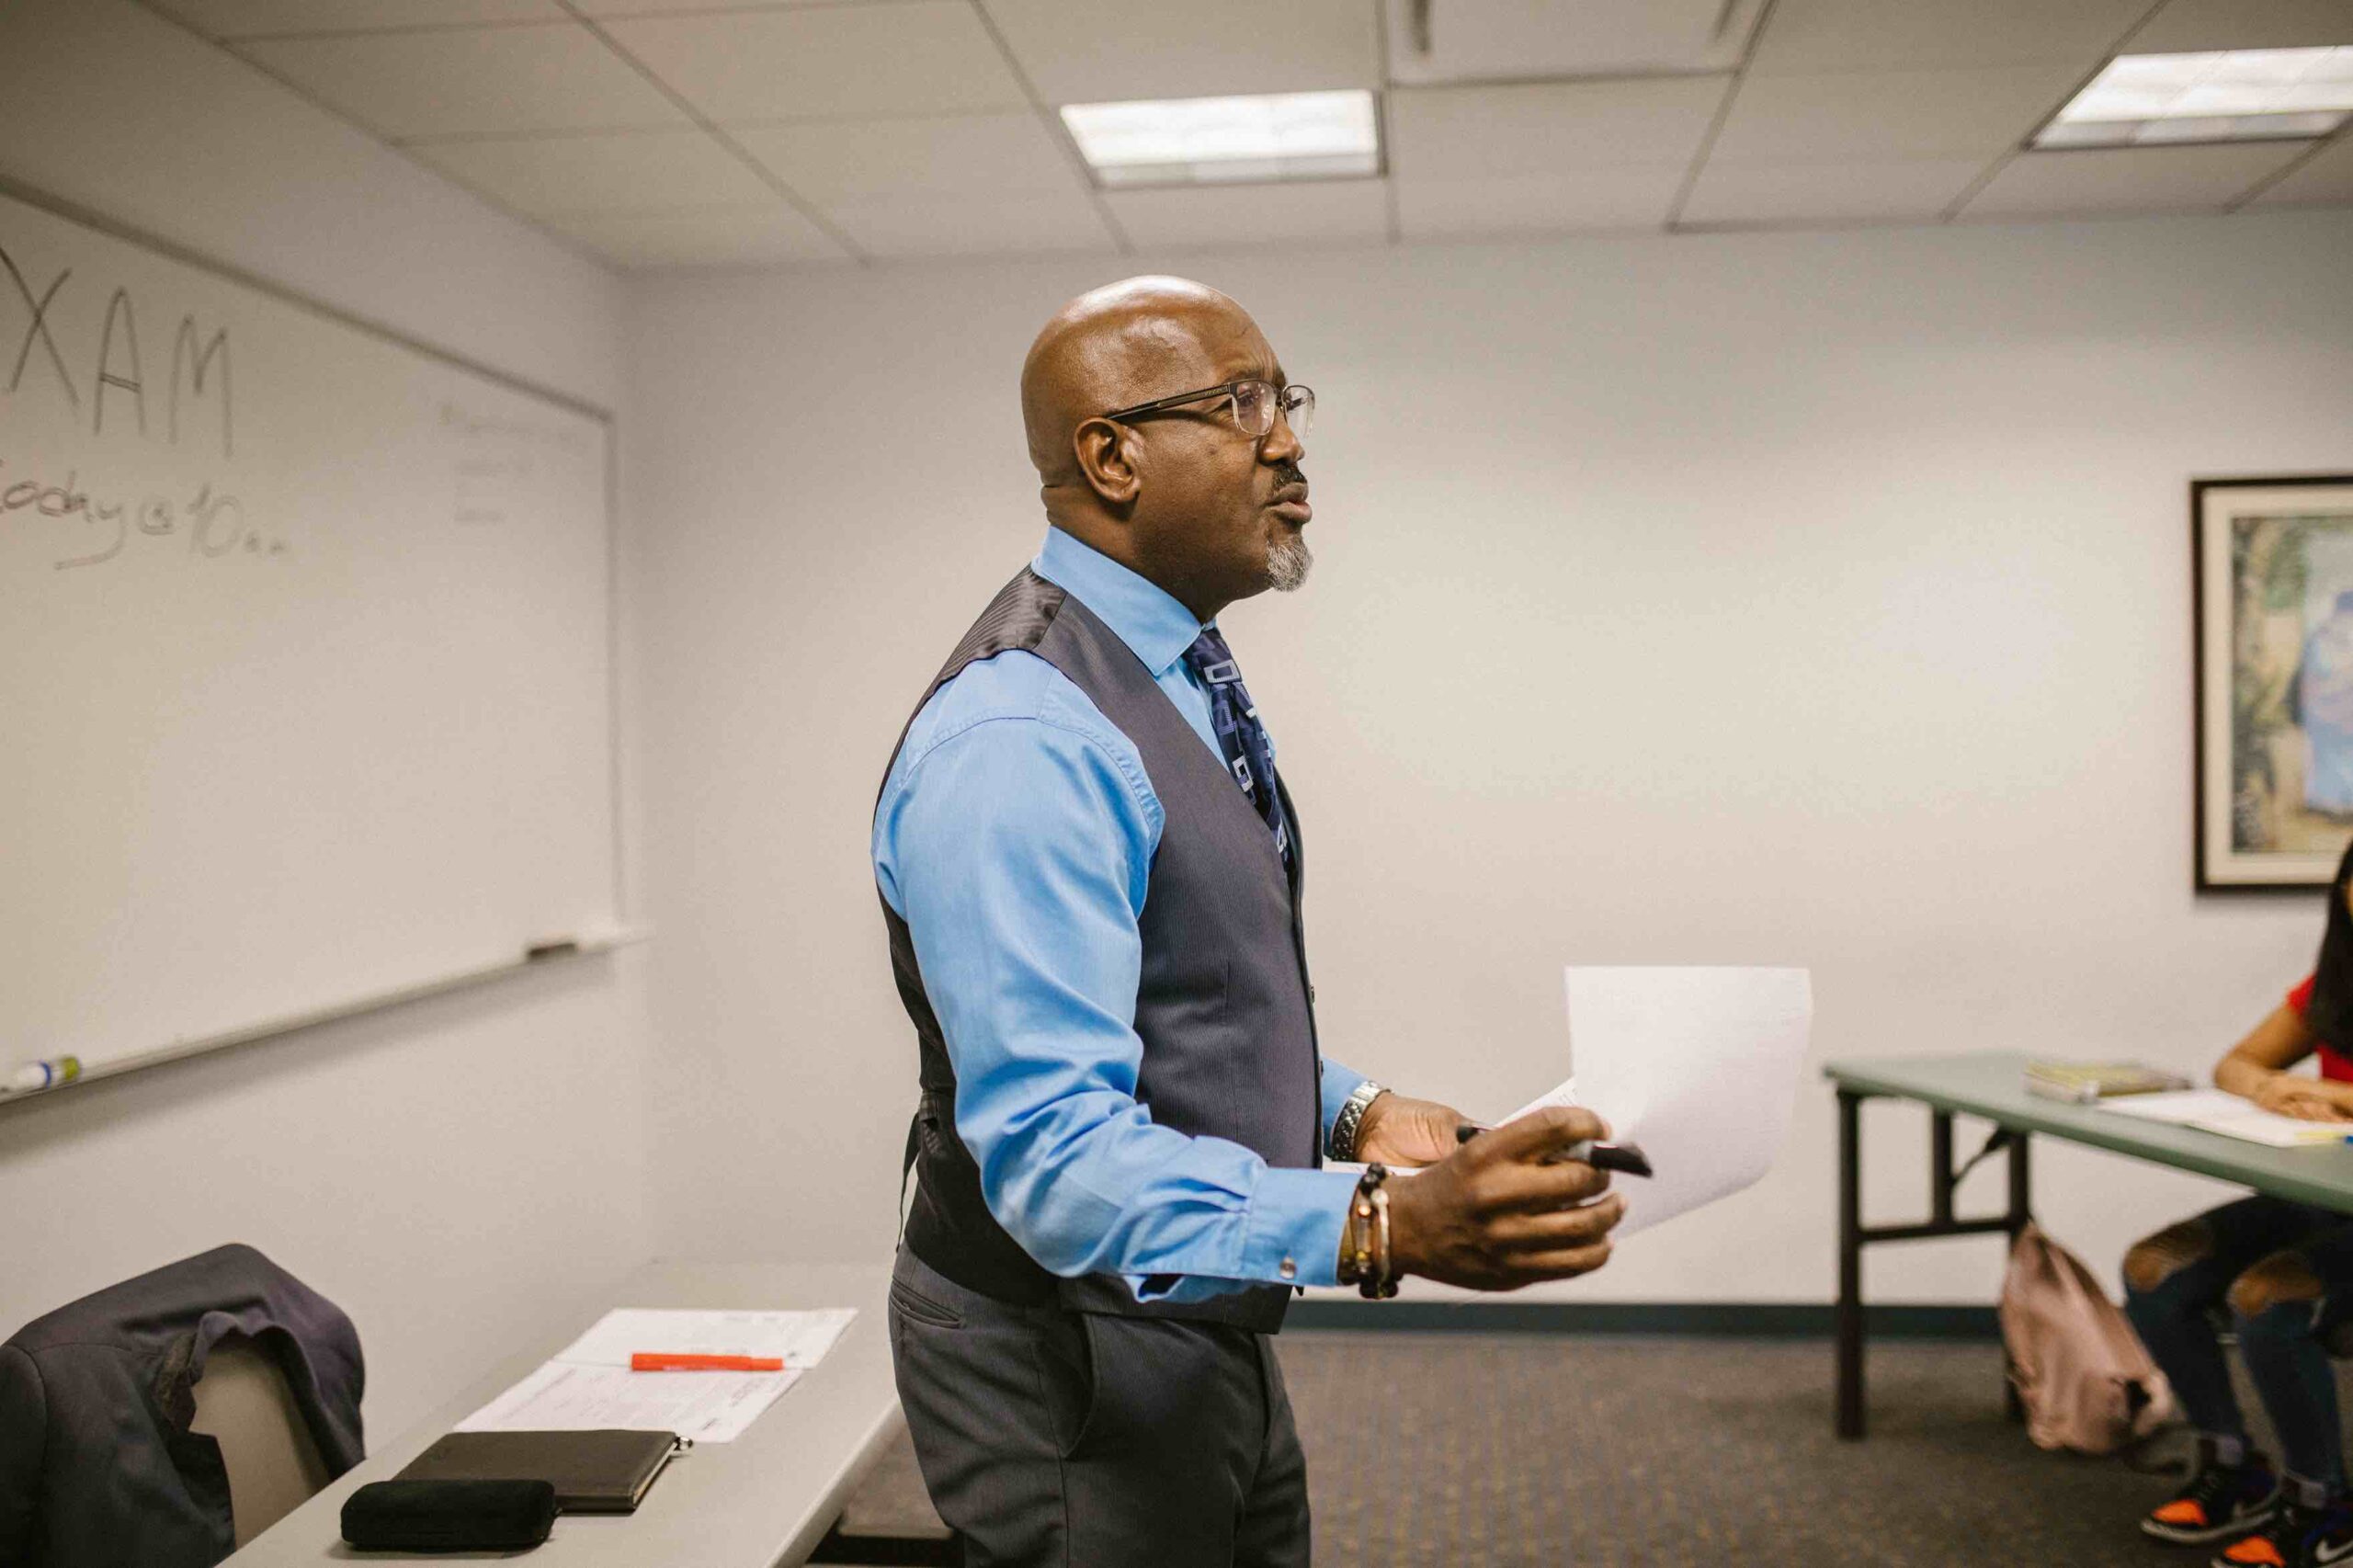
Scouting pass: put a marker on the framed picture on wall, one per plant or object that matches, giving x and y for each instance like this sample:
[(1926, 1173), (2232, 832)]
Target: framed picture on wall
[(2273, 570)]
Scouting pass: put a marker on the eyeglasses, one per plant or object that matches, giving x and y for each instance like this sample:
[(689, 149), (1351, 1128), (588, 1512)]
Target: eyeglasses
[(1254, 405)]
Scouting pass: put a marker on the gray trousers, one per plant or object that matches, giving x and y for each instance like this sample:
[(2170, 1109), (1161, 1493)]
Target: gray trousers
[(1081, 1440)]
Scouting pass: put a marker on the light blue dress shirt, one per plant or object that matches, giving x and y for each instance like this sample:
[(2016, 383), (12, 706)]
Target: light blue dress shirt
[(1015, 836)]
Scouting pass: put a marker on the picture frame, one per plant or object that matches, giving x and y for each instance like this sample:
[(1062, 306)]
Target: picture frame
[(2272, 609)]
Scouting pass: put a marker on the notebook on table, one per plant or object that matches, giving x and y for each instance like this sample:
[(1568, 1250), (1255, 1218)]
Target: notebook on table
[(2089, 1083), (604, 1472)]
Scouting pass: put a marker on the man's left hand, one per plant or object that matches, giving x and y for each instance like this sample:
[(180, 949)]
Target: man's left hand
[(1401, 1132)]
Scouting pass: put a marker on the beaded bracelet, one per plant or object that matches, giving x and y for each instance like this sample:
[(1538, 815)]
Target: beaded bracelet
[(1367, 1264), (1355, 1239)]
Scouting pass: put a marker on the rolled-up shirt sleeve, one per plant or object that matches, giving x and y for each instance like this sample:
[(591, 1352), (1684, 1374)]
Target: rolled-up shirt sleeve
[(1018, 848)]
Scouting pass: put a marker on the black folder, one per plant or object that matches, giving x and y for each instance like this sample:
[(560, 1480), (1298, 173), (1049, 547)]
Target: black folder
[(604, 1472)]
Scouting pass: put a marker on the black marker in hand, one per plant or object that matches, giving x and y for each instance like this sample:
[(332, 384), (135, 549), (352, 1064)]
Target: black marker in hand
[(1626, 1157)]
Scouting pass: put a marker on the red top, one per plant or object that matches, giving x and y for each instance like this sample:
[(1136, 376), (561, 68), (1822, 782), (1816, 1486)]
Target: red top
[(2331, 1063)]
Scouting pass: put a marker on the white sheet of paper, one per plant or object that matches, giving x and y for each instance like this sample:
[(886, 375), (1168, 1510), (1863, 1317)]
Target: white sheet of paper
[(2181, 1106), (2214, 1111), (566, 1396), (1565, 1094), (588, 1384), (2259, 1126), (1699, 1066), (799, 1340)]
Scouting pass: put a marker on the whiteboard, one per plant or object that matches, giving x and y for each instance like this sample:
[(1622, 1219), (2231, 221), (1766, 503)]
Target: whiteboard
[(306, 685)]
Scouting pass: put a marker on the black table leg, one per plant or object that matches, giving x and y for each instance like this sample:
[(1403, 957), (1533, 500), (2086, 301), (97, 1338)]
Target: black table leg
[(1851, 1265), (2021, 1209), (1854, 1235), (1940, 1167)]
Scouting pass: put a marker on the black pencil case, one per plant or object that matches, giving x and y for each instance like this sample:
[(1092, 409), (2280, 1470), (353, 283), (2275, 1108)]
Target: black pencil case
[(448, 1516)]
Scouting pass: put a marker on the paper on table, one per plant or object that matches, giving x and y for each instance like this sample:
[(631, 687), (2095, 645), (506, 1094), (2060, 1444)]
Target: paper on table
[(566, 1396), (2214, 1111), (1699, 1066), (2257, 1126), (799, 1339), (588, 1384), (2184, 1106)]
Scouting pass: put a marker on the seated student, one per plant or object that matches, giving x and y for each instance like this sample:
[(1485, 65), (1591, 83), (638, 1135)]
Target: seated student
[(2285, 1272)]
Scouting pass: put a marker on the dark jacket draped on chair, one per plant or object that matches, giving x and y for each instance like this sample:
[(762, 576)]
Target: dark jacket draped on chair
[(97, 1466)]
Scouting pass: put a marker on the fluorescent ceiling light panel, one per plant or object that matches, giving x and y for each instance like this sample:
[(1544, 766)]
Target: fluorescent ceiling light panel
[(2239, 94), (1214, 141)]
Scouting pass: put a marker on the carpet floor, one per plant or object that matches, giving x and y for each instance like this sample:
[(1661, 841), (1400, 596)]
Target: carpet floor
[(1515, 1450)]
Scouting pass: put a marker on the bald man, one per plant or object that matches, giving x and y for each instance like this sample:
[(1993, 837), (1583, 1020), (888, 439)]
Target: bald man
[(1091, 874)]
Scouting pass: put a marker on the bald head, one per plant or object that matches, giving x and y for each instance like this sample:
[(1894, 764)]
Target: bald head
[(1188, 496), (1122, 344)]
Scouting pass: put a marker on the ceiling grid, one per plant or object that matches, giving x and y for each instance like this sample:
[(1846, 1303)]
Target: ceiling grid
[(1054, 127), (1723, 112), (1390, 229), (1988, 173), (734, 148), (669, 132)]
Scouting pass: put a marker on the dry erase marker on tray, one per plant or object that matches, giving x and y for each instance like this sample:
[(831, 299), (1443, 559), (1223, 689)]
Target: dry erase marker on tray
[(660, 1361), (44, 1074)]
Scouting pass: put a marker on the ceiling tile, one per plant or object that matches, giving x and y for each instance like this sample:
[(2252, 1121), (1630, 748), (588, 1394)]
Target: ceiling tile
[(705, 236), (1883, 114), (479, 82), (1775, 193), (1436, 131), (923, 56), (1199, 50), (1514, 39), (1805, 36), (245, 19), (1537, 203), (2325, 181), (1009, 225), (606, 171), (2186, 26), (885, 160), (1193, 217), (2128, 179)]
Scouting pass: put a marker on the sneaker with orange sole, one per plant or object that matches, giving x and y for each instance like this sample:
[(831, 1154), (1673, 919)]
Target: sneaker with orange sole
[(2297, 1537), (2220, 1502)]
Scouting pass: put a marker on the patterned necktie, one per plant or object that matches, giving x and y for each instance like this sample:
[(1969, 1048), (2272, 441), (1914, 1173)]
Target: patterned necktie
[(1239, 735)]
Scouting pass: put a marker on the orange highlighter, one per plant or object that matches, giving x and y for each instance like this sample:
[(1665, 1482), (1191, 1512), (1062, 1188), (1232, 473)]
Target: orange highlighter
[(662, 1361)]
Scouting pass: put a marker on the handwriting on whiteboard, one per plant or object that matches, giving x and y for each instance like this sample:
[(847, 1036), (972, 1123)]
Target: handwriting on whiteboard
[(212, 520), (118, 376), (495, 459), (103, 382)]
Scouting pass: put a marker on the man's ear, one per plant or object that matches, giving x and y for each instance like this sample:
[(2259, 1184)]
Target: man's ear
[(1106, 452)]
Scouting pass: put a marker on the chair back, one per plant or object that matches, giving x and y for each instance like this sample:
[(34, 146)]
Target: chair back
[(243, 1402)]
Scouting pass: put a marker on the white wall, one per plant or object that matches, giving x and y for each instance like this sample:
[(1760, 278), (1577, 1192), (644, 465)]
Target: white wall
[(1811, 599), (451, 1172)]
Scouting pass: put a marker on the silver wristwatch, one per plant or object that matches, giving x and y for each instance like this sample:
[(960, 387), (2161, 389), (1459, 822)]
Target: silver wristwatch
[(1342, 1144)]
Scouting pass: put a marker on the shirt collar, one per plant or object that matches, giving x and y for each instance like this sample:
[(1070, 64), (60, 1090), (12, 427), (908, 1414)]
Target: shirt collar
[(1145, 616)]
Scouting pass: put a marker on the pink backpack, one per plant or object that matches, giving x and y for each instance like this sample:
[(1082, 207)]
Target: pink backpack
[(2086, 1381)]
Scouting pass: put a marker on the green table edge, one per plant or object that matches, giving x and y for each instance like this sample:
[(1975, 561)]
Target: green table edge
[(2321, 1176)]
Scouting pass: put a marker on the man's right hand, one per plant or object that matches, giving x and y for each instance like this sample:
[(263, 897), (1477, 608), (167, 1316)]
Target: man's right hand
[(1494, 1215)]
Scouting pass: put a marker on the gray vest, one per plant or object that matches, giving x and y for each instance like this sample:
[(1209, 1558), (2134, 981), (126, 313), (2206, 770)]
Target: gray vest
[(1222, 1005)]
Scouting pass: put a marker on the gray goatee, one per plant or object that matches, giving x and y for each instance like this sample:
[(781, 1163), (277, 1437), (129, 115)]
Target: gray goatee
[(1288, 560)]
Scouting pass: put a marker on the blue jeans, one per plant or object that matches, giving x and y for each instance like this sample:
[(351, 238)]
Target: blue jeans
[(2285, 1271)]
